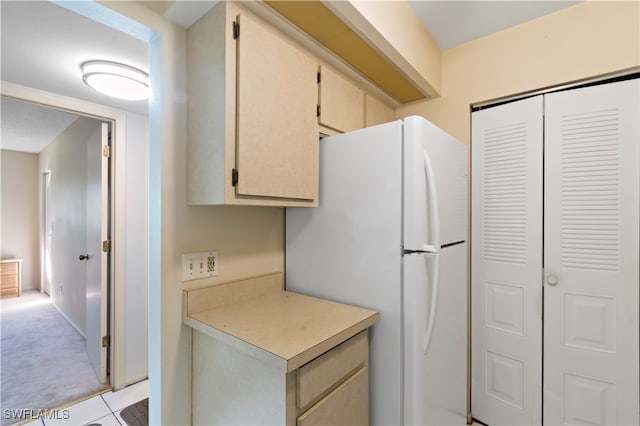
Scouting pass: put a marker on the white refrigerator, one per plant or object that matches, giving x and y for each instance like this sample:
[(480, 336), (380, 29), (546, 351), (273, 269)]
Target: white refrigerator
[(390, 234)]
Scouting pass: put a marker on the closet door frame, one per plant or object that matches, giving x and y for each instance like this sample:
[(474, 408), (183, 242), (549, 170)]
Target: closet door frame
[(479, 307)]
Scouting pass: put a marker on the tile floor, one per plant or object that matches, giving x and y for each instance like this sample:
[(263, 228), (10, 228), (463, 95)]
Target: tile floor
[(105, 409), (102, 409)]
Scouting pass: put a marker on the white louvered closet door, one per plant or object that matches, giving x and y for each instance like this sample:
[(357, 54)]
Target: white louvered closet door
[(592, 139), (507, 145)]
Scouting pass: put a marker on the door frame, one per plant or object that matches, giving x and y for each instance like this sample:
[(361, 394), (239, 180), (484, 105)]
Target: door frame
[(117, 289), (45, 276)]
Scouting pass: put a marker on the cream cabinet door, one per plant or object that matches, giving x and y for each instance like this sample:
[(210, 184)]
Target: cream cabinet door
[(277, 129), (341, 102)]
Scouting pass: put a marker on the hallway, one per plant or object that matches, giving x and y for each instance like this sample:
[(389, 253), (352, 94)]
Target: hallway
[(44, 363)]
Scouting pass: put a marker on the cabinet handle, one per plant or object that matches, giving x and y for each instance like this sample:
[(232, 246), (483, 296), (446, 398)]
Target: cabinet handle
[(552, 280), (83, 257)]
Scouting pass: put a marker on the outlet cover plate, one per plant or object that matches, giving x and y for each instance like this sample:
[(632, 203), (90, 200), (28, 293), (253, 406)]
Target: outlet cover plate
[(199, 265)]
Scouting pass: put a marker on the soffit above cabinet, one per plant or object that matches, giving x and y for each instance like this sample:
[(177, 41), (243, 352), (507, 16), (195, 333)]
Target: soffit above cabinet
[(323, 25)]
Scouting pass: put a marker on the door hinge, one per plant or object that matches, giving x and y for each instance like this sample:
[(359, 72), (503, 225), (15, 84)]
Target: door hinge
[(106, 152), (318, 76), (317, 110), (234, 177), (106, 246), (106, 341), (236, 30)]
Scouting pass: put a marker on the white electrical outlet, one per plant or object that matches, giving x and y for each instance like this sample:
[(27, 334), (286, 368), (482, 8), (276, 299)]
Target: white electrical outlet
[(199, 265)]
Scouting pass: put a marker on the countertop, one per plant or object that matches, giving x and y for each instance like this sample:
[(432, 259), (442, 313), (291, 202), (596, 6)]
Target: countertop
[(282, 328)]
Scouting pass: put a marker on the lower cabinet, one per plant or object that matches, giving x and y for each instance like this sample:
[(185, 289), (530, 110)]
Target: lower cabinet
[(346, 405), (232, 387)]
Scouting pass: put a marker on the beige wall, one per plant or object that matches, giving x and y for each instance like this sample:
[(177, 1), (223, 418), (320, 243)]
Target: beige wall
[(20, 227), (249, 240), (587, 40)]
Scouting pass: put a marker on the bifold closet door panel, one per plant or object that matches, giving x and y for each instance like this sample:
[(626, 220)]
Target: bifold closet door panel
[(506, 241), (591, 332)]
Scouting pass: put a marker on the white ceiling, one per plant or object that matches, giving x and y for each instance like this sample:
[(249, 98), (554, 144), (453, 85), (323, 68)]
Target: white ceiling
[(452, 23), (43, 45), (30, 128)]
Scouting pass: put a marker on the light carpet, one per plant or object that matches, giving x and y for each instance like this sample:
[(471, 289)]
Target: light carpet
[(43, 362)]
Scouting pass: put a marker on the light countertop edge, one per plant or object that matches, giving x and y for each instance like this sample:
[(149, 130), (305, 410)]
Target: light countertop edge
[(238, 344), (330, 343), (353, 322)]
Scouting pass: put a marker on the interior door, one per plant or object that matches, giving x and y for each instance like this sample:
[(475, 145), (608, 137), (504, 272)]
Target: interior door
[(506, 271), (97, 262), (592, 139)]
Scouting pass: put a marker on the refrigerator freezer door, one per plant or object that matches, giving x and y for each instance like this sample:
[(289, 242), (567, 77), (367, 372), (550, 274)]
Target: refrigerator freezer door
[(348, 249), (435, 187), (435, 382)]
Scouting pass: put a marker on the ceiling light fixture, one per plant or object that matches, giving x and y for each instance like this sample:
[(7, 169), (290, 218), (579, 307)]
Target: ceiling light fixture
[(117, 80)]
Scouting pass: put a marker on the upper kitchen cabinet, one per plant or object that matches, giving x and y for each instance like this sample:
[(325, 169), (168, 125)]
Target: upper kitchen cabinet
[(340, 102), (252, 113), (343, 106)]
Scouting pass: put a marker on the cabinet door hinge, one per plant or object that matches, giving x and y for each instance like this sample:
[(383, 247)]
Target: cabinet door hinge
[(236, 30), (106, 341), (106, 246), (234, 177), (106, 151), (317, 110), (318, 76)]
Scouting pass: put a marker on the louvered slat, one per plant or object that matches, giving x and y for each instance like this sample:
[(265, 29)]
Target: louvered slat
[(589, 210), (505, 196)]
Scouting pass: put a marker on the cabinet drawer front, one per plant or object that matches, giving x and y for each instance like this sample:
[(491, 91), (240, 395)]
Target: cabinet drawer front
[(323, 373), (347, 405), (7, 292), (10, 281), (9, 268)]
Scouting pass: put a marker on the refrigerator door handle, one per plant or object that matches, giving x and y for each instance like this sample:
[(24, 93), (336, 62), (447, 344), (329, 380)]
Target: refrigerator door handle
[(432, 206), (435, 283)]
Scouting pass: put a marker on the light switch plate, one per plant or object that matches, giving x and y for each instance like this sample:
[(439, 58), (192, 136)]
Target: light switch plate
[(199, 265)]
